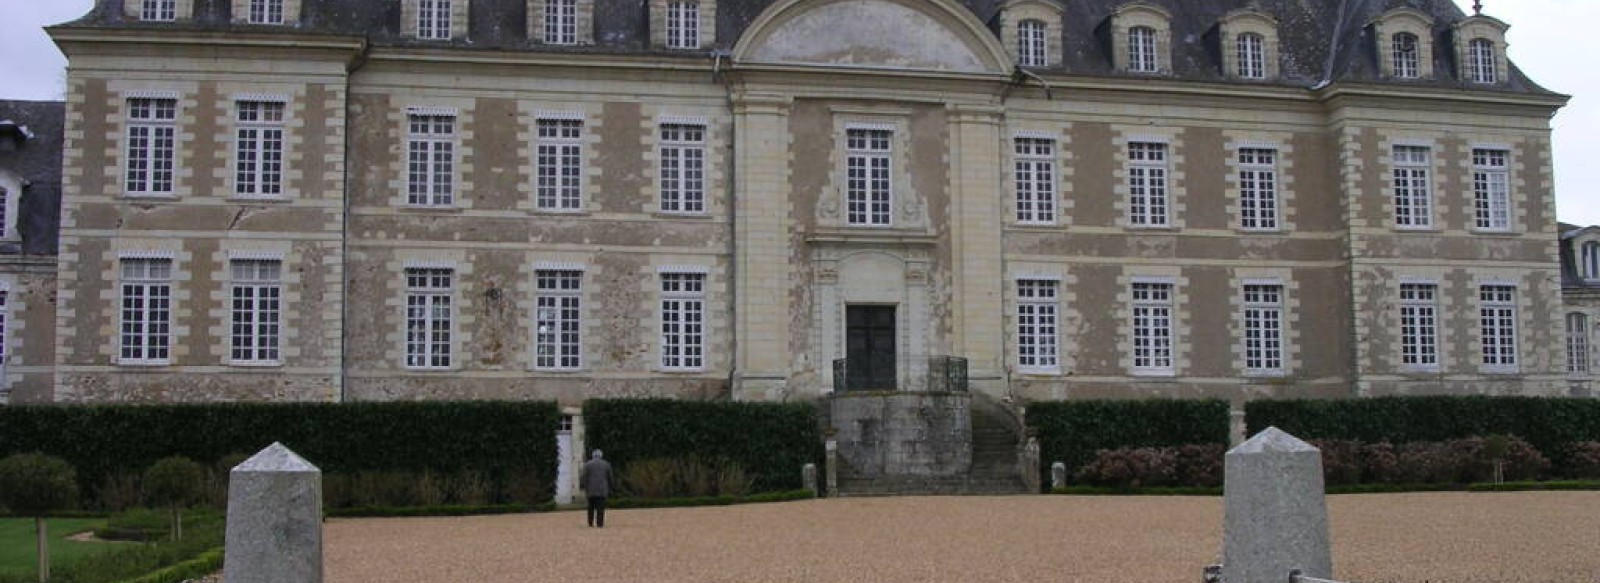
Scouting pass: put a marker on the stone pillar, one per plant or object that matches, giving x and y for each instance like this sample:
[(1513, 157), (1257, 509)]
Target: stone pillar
[(761, 246), (831, 464), (808, 478), (1058, 475), (274, 532), (1276, 518), (1236, 427), (976, 220)]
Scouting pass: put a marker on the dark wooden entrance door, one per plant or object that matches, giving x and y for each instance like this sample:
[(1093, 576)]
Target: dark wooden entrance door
[(869, 348)]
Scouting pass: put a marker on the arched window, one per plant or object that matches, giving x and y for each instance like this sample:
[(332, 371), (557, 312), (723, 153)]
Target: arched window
[(1577, 343), (561, 22), (1406, 56), (683, 25), (1591, 260), (1142, 49), (1252, 56), (1480, 61), (1031, 44)]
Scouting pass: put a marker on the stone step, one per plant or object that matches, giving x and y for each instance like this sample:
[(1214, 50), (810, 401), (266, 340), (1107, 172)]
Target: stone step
[(930, 485)]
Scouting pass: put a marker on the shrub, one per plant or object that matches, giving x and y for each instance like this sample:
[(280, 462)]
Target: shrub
[(175, 482), (1073, 432), (34, 484), (117, 492), (1583, 460), (1200, 466), (690, 477), (769, 441), (1143, 467), (1341, 461)]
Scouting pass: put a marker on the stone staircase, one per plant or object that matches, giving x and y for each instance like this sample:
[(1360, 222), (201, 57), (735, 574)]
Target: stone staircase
[(993, 472)]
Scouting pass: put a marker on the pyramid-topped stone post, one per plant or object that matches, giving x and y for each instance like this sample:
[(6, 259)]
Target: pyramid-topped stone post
[(274, 519), (1276, 514)]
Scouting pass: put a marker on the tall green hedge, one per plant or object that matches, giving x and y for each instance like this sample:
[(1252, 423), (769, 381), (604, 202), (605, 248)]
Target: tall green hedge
[(1072, 431), (1549, 423), (771, 441), (498, 438)]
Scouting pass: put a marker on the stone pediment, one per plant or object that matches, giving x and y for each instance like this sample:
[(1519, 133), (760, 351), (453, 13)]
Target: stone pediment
[(933, 35)]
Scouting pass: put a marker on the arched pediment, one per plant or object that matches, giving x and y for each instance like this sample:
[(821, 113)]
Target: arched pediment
[(936, 35)]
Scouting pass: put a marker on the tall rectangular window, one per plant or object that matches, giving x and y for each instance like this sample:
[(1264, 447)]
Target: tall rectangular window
[(1252, 55), (1497, 321), (159, 10), (1491, 189), (1142, 49), (1577, 344), (1407, 57), (1152, 328), (1419, 326), (1038, 324), (1591, 260), (266, 12), (561, 22), (683, 325), (429, 327), (1481, 61), (1147, 184), (146, 325), (559, 165), (1413, 195), (433, 19), (1031, 43), (152, 130), (558, 341), (1036, 180), (1258, 189), (5, 316), (867, 188), (432, 159), (683, 168), (683, 25), (1263, 329), (258, 149), (257, 294)]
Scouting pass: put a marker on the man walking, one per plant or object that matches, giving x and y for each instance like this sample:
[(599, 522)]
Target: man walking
[(595, 479)]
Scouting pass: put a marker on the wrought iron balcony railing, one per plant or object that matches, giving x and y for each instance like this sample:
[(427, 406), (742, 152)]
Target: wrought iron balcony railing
[(927, 374)]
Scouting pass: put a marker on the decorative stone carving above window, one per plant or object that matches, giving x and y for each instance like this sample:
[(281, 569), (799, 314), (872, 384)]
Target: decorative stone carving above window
[(1405, 44), (158, 10), (434, 19), (1480, 49), (1141, 38), (683, 24), (566, 22), (1017, 15), (1249, 43)]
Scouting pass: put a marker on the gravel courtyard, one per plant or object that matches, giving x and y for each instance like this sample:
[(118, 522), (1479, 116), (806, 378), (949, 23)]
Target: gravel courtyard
[(1545, 537)]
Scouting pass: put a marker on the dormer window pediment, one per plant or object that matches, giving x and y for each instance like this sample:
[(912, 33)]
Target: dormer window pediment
[(1480, 49), (1141, 39), (1249, 45), (1404, 39), (1031, 32)]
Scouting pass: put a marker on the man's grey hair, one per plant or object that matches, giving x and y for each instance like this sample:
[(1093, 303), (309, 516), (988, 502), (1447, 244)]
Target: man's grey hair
[(598, 454)]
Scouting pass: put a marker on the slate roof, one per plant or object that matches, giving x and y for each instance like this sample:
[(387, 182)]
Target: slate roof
[(1320, 39), (38, 161)]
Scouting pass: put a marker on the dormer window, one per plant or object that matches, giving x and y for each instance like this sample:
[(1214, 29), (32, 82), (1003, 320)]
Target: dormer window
[(1031, 44), (1480, 44), (1481, 61), (433, 19), (1142, 49), (1141, 36), (266, 12), (159, 10), (674, 24), (1407, 56), (683, 25), (1252, 56), (1591, 261), (561, 22)]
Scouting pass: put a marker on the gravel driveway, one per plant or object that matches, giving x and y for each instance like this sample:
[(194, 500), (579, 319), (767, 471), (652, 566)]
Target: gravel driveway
[(1545, 537)]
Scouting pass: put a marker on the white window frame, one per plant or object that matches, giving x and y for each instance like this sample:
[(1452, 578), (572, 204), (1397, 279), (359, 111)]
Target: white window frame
[(159, 11), (255, 312), (5, 320), (1035, 179), (1491, 189), (1578, 344), (1590, 255), (429, 318), (1407, 55), (683, 24), (682, 153), (558, 319), (1259, 205), (1419, 326), (259, 148), (1252, 55), (869, 177), (8, 215), (1262, 315), (1142, 50), (1032, 43), (1497, 327), (433, 19), (683, 320), (1413, 186), (1481, 61), (1039, 325), (145, 311), (266, 12), (152, 146), (431, 159), (561, 22), (1149, 185), (558, 165), (1152, 327)]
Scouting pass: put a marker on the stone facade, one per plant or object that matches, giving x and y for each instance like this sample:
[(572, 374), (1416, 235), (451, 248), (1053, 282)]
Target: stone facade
[(496, 216)]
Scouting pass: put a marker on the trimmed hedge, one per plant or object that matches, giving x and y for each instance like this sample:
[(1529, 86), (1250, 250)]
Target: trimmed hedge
[(1072, 431), (103, 441), (1549, 423), (770, 441)]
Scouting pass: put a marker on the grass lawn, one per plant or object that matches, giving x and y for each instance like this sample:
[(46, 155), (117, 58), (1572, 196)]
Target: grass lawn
[(18, 546)]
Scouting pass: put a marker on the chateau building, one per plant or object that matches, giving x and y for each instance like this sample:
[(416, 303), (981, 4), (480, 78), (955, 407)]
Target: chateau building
[(777, 199)]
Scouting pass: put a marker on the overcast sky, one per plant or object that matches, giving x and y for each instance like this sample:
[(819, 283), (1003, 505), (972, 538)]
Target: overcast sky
[(1552, 40)]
